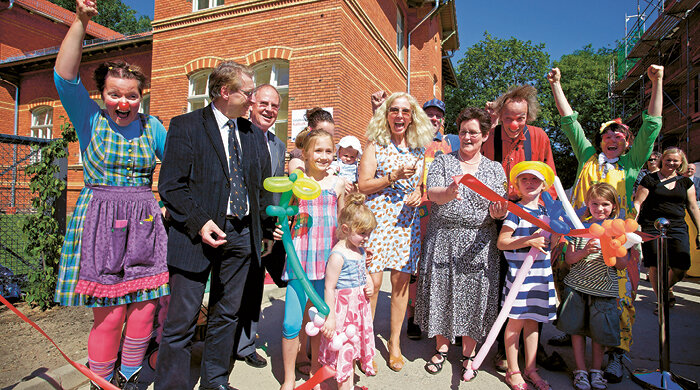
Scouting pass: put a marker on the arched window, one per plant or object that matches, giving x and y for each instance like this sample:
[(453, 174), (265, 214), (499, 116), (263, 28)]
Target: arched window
[(42, 123), (276, 73), (198, 96)]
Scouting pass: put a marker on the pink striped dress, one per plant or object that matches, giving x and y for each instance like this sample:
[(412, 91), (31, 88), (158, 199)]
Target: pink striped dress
[(313, 233)]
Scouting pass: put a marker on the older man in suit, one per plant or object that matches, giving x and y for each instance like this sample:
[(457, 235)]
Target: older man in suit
[(263, 114), (211, 183)]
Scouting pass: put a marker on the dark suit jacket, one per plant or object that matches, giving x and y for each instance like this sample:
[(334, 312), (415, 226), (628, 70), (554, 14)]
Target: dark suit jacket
[(277, 155), (194, 185)]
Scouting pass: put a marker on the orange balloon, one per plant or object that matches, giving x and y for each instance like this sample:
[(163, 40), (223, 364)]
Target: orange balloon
[(622, 238), (610, 261), (596, 230), (631, 225), (618, 227), (614, 243), (621, 252), (607, 224)]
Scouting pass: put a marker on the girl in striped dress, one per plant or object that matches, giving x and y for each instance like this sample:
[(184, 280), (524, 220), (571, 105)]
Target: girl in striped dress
[(313, 234), (113, 256), (589, 303), (535, 301)]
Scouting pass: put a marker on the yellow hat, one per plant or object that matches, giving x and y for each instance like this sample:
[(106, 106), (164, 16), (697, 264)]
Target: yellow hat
[(543, 171)]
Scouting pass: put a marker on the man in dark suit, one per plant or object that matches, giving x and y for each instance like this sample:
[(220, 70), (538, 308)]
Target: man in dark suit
[(211, 183), (263, 114)]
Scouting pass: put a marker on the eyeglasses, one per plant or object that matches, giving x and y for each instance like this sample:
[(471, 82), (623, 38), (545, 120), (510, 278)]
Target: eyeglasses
[(397, 111), (653, 159), (470, 134), (247, 94)]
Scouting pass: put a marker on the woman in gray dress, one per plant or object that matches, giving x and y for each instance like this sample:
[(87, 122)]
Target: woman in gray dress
[(458, 283)]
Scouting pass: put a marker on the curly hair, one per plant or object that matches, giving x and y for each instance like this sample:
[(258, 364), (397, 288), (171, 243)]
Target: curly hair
[(683, 168), (121, 70), (418, 134), (526, 93), (356, 215), (479, 114)]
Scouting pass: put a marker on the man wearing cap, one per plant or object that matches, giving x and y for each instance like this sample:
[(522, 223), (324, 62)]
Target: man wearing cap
[(263, 114)]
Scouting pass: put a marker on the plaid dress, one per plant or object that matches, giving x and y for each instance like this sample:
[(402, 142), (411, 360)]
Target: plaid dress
[(313, 233), (108, 160)]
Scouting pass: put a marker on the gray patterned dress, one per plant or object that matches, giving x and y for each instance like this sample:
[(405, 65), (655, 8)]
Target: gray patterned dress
[(458, 282)]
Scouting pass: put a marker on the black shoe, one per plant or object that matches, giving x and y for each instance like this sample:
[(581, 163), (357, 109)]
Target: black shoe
[(413, 331), (254, 360), (563, 340), (553, 362), (121, 382), (219, 387)]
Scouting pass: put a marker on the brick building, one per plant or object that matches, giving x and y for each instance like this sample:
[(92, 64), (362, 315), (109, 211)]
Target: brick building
[(327, 53), (671, 41)]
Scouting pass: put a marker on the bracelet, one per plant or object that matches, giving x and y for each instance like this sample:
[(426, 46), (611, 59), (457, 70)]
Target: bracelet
[(388, 176)]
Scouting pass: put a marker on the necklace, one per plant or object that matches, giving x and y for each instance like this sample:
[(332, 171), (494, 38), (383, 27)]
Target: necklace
[(461, 159)]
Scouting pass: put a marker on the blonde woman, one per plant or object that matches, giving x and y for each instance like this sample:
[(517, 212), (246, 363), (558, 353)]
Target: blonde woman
[(668, 193), (389, 174)]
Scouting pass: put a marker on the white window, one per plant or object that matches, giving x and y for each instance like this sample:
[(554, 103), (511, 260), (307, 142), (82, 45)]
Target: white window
[(145, 107), (42, 122), (198, 96), (276, 73), (400, 47), (204, 4)]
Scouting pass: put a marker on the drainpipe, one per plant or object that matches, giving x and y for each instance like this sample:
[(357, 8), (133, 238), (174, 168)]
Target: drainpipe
[(13, 190), (438, 4)]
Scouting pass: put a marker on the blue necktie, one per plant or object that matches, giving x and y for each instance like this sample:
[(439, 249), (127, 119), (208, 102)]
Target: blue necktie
[(239, 192)]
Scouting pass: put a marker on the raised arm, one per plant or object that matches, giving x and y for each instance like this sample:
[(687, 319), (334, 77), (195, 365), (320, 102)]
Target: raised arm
[(554, 78), (656, 103), (68, 59)]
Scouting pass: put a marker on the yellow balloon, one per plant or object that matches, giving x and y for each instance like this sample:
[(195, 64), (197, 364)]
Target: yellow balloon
[(278, 184), (307, 189)]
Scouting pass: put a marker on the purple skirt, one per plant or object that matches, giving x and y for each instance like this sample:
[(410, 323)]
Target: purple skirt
[(124, 243)]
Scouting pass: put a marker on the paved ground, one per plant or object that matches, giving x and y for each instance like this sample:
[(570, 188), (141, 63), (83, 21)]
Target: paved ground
[(685, 350)]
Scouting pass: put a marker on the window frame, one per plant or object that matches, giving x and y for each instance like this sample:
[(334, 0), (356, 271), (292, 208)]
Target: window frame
[(212, 4), (400, 32), (283, 89), (204, 73)]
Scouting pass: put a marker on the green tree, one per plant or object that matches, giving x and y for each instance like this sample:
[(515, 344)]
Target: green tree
[(115, 15), (585, 83), (489, 67)]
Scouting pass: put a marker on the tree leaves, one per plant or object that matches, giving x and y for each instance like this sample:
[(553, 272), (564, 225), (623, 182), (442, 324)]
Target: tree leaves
[(115, 15)]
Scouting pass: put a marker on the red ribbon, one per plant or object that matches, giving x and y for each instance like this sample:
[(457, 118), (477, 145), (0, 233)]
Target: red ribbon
[(321, 375), (101, 382), (481, 189)]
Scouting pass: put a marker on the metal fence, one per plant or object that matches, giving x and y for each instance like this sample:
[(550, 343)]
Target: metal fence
[(16, 154)]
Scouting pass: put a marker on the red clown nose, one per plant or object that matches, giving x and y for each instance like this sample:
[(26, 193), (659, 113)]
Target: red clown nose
[(123, 106), (513, 126)]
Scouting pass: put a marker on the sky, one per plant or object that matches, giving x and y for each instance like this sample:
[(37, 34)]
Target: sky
[(562, 25)]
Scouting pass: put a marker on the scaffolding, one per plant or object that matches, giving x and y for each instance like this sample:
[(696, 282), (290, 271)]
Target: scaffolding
[(665, 42)]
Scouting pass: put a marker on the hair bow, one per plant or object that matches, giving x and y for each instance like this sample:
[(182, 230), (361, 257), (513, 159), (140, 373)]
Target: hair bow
[(608, 123)]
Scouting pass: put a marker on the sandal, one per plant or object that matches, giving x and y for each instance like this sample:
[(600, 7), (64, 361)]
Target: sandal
[(467, 373), (539, 384), (362, 370), (435, 365), (395, 363), (519, 386)]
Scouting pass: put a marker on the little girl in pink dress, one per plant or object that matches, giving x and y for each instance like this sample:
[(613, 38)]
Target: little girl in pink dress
[(347, 294)]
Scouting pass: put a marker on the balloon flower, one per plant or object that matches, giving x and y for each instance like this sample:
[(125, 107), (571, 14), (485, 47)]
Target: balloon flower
[(612, 236), (314, 326), (558, 220), (303, 188)]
